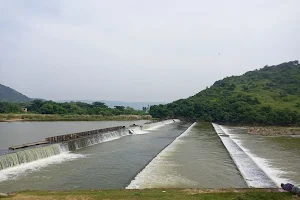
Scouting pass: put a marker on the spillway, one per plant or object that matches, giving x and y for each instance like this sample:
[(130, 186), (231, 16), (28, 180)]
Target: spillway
[(252, 173), (110, 165), (28, 155), (70, 142), (143, 176)]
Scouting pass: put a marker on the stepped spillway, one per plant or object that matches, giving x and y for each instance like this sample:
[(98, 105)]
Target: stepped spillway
[(253, 175)]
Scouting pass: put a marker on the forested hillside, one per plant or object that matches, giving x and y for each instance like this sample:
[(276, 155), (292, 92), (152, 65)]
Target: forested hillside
[(268, 96), (9, 94)]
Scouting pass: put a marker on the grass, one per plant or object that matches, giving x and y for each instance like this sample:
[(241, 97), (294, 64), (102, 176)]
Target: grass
[(271, 97), (174, 194), (41, 117)]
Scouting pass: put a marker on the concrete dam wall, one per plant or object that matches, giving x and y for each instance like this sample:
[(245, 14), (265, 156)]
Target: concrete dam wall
[(72, 136), (253, 175)]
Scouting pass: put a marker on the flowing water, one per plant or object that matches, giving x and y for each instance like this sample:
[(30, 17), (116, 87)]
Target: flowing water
[(196, 159), (169, 155), (277, 156), (108, 165)]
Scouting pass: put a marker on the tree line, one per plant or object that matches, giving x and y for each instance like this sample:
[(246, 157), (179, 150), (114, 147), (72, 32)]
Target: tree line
[(79, 108)]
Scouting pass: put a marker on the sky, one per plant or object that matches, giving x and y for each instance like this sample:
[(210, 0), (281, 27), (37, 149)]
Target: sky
[(138, 50)]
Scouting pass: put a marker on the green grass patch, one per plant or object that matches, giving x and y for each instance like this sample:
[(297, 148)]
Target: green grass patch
[(174, 194)]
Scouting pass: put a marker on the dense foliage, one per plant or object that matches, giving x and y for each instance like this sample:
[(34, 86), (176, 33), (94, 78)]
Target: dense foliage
[(9, 94), (78, 108), (268, 96)]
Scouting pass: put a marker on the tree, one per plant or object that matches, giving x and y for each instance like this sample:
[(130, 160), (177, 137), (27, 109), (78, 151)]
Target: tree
[(99, 104), (47, 108), (120, 108)]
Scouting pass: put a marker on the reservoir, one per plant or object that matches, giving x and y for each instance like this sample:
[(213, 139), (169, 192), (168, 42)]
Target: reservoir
[(175, 155)]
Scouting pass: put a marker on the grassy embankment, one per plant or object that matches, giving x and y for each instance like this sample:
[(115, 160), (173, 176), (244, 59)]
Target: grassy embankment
[(41, 117), (174, 194)]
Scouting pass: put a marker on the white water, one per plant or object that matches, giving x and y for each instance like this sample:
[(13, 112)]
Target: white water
[(253, 174), (153, 175), (137, 131), (264, 164), (24, 169)]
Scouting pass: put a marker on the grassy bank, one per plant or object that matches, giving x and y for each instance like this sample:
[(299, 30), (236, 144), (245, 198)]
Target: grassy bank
[(174, 194), (41, 117)]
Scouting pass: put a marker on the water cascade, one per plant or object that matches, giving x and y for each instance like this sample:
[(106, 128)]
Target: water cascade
[(75, 144), (28, 155), (145, 178), (70, 142), (252, 174)]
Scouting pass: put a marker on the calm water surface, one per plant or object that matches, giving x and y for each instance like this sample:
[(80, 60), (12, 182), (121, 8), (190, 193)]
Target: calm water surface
[(15, 133)]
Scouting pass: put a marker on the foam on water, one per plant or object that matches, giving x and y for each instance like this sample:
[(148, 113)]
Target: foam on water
[(64, 149), (272, 172), (24, 169), (249, 169), (138, 130), (158, 125), (155, 127), (158, 174)]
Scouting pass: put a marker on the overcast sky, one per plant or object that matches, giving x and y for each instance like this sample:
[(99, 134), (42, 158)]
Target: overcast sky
[(138, 50)]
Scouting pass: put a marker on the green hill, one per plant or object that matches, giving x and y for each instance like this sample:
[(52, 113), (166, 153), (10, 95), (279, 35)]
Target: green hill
[(270, 96), (11, 95)]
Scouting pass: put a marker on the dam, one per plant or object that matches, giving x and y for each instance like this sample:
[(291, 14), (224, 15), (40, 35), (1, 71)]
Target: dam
[(29, 152), (173, 154)]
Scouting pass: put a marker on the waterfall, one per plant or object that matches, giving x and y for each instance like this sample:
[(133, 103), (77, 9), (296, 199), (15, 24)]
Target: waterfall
[(73, 145), (22, 156), (251, 172), (28, 155)]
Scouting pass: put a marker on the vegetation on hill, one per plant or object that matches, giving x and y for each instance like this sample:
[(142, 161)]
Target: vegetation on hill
[(9, 94), (269, 96), (68, 108)]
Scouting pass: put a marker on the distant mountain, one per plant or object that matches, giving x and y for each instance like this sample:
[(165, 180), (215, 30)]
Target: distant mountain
[(270, 95), (112, 104), (11, 95)]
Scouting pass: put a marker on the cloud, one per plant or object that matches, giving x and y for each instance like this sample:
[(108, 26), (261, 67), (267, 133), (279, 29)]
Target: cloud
[(139, 50)]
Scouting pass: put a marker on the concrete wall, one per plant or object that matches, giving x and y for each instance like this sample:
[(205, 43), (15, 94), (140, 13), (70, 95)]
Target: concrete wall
[(61, 138)]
